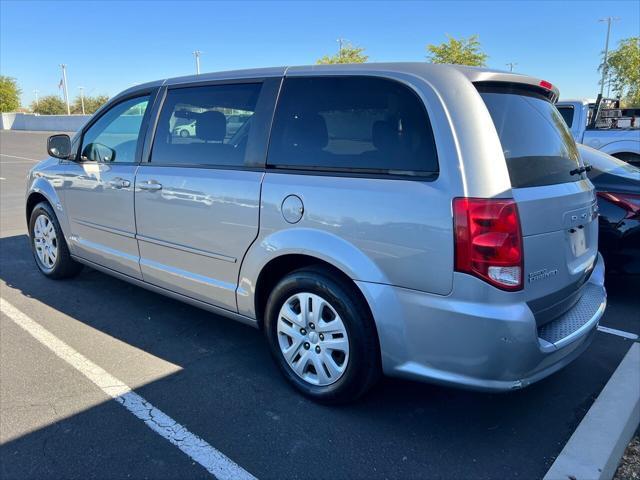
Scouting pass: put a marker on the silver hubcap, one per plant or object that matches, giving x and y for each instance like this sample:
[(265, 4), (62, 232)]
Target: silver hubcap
[(313, 339), (45, 241)]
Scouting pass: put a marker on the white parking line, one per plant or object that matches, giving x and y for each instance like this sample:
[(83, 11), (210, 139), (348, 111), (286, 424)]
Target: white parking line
[(15, 156), (200, 451), (620, 333)]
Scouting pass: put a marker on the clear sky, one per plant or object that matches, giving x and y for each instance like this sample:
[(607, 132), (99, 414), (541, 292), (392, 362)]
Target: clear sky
[(109, 46)]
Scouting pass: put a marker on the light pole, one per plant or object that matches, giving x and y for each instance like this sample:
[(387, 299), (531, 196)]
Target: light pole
[(82, 98), (605, 65), (64, 84), (340, 43), (36, 91), (511, 65), (197, 54)]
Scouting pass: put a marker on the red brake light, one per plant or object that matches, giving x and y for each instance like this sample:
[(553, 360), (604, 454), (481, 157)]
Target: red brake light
[(626, 201), (545, 84), (488, 242)]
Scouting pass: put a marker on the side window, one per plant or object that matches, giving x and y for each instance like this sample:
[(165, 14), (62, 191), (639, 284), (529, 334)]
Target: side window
[(567, 115), (206, 125), (352, 124), (114, 136)]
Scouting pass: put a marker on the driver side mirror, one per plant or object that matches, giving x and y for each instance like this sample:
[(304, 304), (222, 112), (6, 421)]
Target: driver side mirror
[(59, 146)]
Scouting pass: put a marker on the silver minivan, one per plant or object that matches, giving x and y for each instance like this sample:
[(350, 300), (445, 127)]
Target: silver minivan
[(432, 222)]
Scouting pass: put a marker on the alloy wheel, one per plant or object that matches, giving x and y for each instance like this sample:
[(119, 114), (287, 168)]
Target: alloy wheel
[(45, 241)]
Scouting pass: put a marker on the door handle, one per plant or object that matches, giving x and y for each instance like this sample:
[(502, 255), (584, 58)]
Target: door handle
[(150, 185), (119, 183)]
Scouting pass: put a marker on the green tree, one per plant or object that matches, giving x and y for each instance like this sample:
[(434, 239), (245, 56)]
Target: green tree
[(9, 94), (624, 70), (346, 54), (466, 51), (49, 105), (91, 104)]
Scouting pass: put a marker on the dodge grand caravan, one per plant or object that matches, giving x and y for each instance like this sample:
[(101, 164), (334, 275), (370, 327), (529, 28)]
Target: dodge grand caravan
[(432, 222)]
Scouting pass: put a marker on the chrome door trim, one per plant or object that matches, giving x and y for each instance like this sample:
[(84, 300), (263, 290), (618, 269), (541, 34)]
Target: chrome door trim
[(97, 226), (88, 244), (177, 246)]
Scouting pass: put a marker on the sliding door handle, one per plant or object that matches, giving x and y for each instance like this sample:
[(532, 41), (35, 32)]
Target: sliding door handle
[(150, 185)]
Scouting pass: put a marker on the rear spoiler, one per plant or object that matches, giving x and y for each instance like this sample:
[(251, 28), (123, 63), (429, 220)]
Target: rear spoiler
[(544, 89)]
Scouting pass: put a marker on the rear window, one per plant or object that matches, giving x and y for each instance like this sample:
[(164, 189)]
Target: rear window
[(536, 142), (352, 124)]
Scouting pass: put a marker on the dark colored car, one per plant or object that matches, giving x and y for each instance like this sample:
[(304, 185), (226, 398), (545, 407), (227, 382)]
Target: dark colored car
[(618, 188)]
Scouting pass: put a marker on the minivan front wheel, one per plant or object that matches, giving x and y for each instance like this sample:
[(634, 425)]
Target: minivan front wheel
[(48, 245), (322, 335)]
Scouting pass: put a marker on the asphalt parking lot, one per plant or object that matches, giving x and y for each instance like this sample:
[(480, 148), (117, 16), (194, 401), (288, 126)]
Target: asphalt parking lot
[(215, 377)]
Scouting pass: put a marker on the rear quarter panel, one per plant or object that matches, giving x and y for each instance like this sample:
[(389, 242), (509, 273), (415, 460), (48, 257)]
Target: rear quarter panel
[(384, 230), (387, 231), (394, 232)]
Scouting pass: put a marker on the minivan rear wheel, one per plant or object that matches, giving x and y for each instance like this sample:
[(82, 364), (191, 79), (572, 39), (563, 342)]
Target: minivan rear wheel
[(321, 335)]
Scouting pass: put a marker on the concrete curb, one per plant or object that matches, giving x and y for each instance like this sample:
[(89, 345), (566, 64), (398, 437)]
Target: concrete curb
[(595, 448)]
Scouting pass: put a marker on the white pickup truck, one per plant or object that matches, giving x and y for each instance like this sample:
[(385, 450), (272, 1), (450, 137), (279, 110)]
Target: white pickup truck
[(615, 131)]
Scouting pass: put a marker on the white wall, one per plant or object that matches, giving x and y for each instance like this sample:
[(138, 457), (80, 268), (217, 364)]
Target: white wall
[(54, 123)]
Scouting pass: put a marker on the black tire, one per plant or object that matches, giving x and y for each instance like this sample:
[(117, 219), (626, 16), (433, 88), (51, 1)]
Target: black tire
[(363, 366), (64, 266), (630, 158), (184, 133)]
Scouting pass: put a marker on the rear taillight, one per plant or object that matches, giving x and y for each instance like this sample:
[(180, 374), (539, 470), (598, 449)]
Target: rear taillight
[(488, 240), (626, 201)]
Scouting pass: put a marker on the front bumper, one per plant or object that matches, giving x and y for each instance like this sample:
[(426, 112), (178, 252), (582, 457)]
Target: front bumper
[(465, 340)]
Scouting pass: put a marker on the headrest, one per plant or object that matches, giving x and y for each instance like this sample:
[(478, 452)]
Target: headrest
[(385, 135), (307, 132), (211, 126)]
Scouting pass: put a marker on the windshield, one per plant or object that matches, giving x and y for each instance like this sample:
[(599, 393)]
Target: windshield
[(536, 142)]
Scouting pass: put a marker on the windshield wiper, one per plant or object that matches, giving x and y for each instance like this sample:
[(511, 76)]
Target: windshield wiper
[(577, 171)]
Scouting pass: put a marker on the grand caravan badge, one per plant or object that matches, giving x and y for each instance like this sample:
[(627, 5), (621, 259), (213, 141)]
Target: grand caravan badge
[(542, 274)]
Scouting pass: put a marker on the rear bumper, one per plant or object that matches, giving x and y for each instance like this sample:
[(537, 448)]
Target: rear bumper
[(465, 340)]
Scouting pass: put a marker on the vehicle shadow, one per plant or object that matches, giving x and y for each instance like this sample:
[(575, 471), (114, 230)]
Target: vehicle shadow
[(230, 393)]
